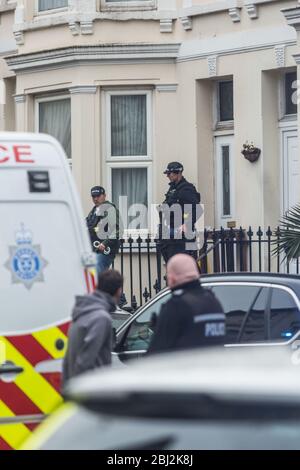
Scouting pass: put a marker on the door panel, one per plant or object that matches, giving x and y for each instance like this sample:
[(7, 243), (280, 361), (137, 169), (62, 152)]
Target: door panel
[(33, 391), (291, 177), (291, 171)]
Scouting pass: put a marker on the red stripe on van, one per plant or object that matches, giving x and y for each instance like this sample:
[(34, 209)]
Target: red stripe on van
[(4, 445), (64, 328), (93, 281), (16, 400), (32, 426), (54, 379), (86, 275), (28, 346)]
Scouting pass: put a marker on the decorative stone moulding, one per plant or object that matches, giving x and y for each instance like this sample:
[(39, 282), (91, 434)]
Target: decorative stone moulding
[(252, 11), (83, 89), (7, 5), (168, 88), (186, 22), (234, 14), (280, 55), (19, 37), (292, 16), (20, 99), (87, 27), (74, 28), (166, 25), (212, 65)]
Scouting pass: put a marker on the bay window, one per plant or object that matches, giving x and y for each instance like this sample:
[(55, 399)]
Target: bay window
[(53, 117)]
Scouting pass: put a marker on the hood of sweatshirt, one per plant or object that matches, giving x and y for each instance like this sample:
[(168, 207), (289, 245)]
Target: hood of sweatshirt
[(85, 304)]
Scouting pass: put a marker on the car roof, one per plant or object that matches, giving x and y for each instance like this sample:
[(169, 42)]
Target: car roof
[(246, 373), (285, 280), (291, 280), (288, 280)]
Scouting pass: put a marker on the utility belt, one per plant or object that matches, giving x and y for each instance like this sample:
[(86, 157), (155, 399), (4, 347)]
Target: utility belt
[(174, 234)]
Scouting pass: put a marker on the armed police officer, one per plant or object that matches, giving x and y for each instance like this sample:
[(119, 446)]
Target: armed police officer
[(178, 215), (103, 223), (192, 317)]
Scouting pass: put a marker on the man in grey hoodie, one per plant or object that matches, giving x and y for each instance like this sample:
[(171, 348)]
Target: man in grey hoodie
[(90, 333)]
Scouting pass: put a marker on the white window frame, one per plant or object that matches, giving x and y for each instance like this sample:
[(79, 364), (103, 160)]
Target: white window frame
[(37, 112), (281, 97), (52, 11), (216, 107), (148, 165), (226, 140), (125, 158), (134, 161), (123, 5)]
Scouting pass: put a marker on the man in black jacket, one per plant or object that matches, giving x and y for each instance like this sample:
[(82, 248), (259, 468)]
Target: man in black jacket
[(178, 215), (193, 317), (103, 223)]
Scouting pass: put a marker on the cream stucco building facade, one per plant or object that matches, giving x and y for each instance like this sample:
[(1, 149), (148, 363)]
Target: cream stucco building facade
[(128, 86)]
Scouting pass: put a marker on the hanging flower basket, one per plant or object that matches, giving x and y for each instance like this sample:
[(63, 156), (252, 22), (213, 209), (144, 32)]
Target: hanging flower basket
[(250, 152)]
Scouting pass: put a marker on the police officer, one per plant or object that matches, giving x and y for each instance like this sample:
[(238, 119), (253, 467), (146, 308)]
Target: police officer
[(103, 223), (193, 317), (177, 228)]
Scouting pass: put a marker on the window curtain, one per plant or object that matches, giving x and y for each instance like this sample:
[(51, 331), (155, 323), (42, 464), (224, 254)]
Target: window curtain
[(55, 119), (128, 125), (130, 182), (51, 4)]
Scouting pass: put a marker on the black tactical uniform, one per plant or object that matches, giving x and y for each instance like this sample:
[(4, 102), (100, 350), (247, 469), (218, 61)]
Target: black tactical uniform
[(93, 222), (192, 318), (182, 193)]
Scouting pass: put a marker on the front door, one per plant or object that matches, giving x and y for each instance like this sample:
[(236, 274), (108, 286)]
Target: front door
[(291, 176), (291, 173)]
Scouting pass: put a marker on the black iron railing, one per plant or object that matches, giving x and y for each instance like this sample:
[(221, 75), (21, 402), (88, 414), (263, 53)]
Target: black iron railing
[(224, 250)]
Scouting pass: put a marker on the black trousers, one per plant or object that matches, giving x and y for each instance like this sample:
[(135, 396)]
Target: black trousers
[(169, 248)]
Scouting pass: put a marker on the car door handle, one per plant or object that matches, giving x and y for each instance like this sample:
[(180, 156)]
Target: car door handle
[(10, 369)]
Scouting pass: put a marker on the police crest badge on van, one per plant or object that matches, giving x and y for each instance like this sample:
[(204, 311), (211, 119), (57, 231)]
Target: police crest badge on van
[(25, 263)]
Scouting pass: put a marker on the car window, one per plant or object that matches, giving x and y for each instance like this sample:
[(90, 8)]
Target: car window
[(119, 318), (254, 329), (141, 329), (284, 315), (236, 301)]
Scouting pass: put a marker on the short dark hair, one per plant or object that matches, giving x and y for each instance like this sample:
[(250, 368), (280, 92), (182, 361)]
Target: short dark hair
[(110, 281)]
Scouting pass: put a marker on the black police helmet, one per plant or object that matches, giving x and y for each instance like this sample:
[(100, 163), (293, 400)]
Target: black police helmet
[(97, 191), (174, 167)]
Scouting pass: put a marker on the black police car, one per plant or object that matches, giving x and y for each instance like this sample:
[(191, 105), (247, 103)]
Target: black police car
[(261, 310)]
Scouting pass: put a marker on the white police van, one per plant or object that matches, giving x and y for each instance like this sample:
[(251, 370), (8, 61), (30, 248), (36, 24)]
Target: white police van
[(45, 260)]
